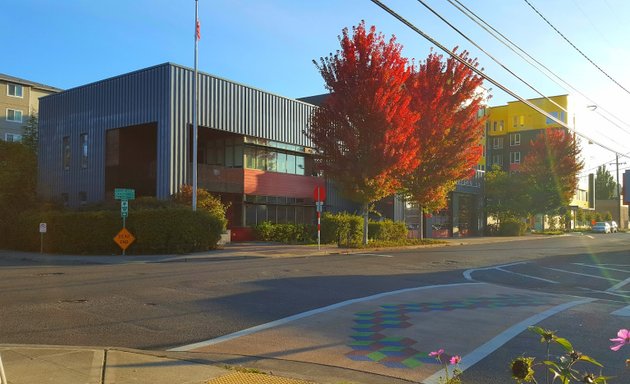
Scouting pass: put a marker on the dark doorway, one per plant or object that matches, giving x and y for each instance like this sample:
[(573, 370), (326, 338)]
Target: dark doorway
[(130, 159)]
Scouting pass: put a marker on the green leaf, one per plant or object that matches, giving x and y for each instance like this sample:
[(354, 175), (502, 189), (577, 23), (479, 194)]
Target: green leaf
[(590, 360), (537, 330), (564, 343)]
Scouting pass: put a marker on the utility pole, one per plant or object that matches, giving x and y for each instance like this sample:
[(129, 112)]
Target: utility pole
[(620, 223)]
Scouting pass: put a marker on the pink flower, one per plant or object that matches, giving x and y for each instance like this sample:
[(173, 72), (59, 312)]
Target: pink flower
[(437, 353), (623, 338), (455, 359)]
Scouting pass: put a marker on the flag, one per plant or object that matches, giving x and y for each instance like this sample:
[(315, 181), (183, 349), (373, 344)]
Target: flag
[(198, 30)]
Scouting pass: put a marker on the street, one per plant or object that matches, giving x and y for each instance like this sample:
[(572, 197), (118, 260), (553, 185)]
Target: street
[(468, 294)]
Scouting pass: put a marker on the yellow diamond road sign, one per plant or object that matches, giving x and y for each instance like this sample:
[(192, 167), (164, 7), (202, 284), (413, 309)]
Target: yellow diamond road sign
[(124, 238)]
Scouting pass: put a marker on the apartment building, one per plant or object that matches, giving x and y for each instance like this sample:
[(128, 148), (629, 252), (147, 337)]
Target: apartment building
[(19, 99), (510, 128)]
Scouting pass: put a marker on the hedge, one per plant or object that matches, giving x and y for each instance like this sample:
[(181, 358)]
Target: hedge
[(512, 228), (157, 231), (387, 230), (342, 228), (284, 233)]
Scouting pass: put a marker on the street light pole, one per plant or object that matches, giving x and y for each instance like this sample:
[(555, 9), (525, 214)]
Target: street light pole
[(620, 223)]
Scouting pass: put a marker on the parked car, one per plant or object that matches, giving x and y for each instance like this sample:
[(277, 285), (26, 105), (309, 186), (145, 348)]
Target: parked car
[(601, 227), (613, 226)]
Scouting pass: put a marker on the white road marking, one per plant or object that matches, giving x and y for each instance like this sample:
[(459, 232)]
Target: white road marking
[(590, 237), (373, 254), (502, 338), (581, 274), (625, 311), (468, 273), (528, 276), (601, 267), (303, 315), (618, 285)]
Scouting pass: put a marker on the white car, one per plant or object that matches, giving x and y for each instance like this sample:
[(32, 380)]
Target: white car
[(601, 227)]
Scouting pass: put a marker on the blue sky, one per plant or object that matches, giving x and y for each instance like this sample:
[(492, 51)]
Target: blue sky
[(270, 44)]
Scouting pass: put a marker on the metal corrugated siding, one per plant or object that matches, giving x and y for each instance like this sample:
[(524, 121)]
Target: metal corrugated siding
[(135, 98), (229, 107), (160, 94)]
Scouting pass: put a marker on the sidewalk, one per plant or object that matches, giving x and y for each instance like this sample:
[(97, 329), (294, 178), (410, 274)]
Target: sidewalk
[(235, 251), (30, 364)]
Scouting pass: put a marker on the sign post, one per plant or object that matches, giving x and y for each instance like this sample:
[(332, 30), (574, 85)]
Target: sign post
[(42, 230), (319, 195), (124, 238)]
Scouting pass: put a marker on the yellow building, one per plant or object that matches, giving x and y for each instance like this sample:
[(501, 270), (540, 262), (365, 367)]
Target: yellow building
[(19, 99), (510, 128)]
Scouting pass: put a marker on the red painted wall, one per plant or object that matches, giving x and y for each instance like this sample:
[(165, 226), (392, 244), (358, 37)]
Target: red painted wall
[(280, 184)]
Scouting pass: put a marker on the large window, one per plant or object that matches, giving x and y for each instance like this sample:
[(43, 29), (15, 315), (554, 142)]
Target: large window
[(224, 152), (515, 139), (497, 143), (66, 153), (14, 90), (267, 159), (497, 159), (515, 157), (84, 150), (14, 115), (277, 209)]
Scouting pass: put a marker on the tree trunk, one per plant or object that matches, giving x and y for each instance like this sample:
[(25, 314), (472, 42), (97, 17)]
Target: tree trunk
[(421, 226), (365, 223)]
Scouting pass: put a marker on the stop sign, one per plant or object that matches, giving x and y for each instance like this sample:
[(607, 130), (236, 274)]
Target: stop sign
[(319, 194)]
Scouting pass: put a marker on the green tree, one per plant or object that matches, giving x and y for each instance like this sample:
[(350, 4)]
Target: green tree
[(607, 216), (605, 186), (579, 217), (550, 170), (18, 182), (505, 197), (30, 138)]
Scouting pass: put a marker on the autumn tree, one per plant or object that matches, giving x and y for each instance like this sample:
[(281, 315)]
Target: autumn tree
[(605, 186), (550, 169), (364, 129), (446, 94)]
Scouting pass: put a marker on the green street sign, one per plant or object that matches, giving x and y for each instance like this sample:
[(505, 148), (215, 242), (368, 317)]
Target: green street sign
[(124, 194), (124, 214)]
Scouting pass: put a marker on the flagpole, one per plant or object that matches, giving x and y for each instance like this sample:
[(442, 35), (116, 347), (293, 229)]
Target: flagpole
[(194, 159)]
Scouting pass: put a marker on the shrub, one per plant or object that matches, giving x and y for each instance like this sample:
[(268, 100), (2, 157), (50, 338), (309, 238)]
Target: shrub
[(512, 227), (344, 229), (205, 200), (167, 230), (387, 230), (284, 233)]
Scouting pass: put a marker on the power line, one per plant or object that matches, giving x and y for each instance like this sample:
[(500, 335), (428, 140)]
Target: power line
[(521, 53), (489, 55), (490, 79), (576, 48)]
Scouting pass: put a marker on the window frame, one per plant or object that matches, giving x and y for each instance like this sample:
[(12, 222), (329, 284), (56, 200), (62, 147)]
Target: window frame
[(14, 111), (515, 139), (84, 149), (6, 137), (66, 153), (513, 157), (497, 143), (16, 86)]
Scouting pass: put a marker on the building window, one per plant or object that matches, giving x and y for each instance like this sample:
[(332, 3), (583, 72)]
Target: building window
[(515, 121), (66, 153), (497, 143), (515, 139), (82, 198), (549, 120), (500, 125), (14, 90), (14, 115), (497, 159), (515, 157), (521, 120), (494, 126), (84, 150), (13, 137)]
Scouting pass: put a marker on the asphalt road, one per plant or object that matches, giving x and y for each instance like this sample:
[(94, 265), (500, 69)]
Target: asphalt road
[(164, 305)]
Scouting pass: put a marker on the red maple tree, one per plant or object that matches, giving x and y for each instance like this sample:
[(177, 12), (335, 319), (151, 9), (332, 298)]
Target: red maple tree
[(449, 133), (364, 129), (551, 169)]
